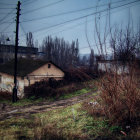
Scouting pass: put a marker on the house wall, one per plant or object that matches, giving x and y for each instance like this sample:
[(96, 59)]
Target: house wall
[(44, 73), (7, 84)]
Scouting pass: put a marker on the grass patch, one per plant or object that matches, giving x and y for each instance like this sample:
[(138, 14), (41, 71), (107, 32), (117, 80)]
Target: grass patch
[(68, 123), (23, 102), (14, 128), (76, 93)]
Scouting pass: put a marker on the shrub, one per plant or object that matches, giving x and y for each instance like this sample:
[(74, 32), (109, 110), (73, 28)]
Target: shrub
[(51, 88), (120, 98), (40, 89), (5, 95)]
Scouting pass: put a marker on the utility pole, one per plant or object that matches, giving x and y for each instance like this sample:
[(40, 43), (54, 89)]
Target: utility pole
[(14, 96)]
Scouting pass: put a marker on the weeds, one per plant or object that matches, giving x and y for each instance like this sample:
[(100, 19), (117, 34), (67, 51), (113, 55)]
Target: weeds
[(120, 98), (118, 102), (69, 123)]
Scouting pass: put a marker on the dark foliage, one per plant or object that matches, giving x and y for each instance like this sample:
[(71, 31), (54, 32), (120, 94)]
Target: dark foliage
[(5, 95)]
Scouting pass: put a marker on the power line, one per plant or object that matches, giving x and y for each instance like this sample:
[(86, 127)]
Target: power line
[(8, 21), (69, 12), (6, 8), (29, 2), (6, 4), (7, 27), (6, 15), (84, 16), (22, 29), (71, 27), (7, 32), (42, 7), (25, 1)]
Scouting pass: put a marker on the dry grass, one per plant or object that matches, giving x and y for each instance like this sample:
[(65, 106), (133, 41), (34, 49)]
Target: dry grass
[(119, 99)]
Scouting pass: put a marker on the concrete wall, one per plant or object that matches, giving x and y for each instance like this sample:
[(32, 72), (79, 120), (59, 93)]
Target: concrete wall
[(109, 66), (7, 83)]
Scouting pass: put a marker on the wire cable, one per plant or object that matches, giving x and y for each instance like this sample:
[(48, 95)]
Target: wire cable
[(22, 29), (6, 27), (8, 21), (25, 1), (36, 9), (29, 2), (69, 12), (77, 25), (6, 4), (75, 19), (6, 8), (7, 15)]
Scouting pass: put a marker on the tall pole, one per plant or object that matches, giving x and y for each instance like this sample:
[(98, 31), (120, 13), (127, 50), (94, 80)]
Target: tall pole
[(14, 97)]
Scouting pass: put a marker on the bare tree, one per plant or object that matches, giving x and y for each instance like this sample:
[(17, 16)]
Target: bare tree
[(29, 40), (61, 52)]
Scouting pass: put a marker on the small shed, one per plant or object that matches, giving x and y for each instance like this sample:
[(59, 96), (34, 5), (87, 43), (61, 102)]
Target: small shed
[(28, 72)]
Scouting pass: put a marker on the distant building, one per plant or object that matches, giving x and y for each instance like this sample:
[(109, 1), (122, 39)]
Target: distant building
[(7, 52), (112, 66), (29, 72)]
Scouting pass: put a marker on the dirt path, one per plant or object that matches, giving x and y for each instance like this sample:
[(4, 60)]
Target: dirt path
[(26, 111)]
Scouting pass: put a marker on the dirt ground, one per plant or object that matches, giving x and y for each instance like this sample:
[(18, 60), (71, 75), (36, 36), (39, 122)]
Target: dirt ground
[(7, 112)]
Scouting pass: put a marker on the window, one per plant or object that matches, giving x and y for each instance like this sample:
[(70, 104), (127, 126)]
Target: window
[(49, 65)]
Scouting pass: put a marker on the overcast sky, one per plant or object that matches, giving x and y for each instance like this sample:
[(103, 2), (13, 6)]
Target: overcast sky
[(68, 19)]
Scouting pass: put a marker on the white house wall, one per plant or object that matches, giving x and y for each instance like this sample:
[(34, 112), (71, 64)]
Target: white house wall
[(7, 83)]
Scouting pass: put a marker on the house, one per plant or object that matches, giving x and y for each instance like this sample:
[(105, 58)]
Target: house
[(7, 52), (28, 72)]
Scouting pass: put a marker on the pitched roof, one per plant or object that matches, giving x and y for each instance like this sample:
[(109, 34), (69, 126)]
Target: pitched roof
[(24, 66)]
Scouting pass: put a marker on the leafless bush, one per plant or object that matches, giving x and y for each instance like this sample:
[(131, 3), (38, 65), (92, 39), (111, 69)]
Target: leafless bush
[(120, 98)]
